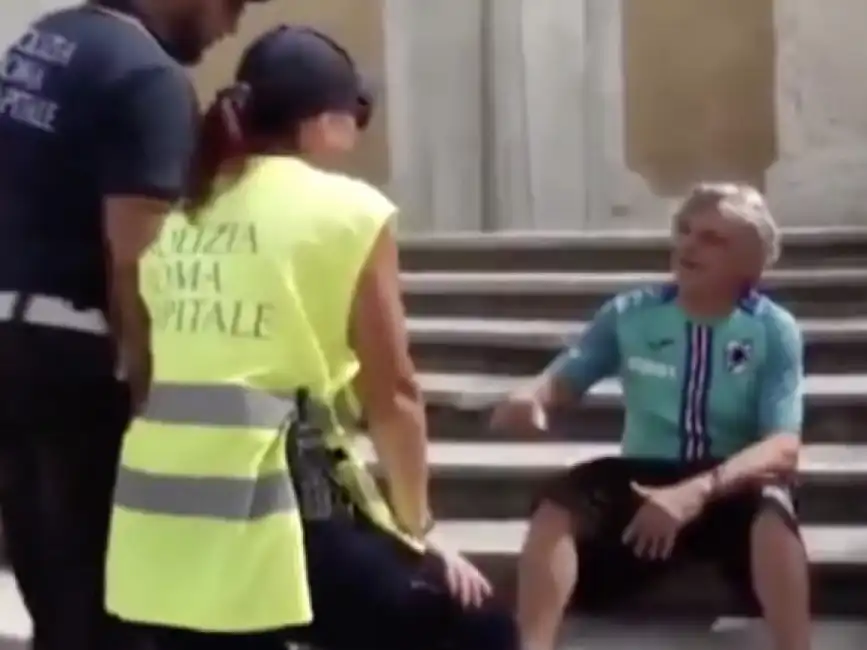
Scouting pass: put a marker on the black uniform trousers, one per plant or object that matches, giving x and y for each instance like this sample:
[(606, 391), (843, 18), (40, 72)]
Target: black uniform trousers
[(370, 592), (62, 418)]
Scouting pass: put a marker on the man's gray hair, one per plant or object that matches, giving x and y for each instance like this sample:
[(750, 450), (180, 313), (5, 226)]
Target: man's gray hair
[(737, 201)]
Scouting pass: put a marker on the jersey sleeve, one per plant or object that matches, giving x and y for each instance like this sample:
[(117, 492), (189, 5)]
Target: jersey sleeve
[(781, 380), (148, 141), (594, 356)]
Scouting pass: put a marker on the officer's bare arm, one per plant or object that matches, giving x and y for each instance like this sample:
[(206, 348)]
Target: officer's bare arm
[(145, 158), (386, 385)]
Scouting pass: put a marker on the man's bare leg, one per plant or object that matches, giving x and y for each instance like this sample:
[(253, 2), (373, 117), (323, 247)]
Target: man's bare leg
[(547, 574), (781, 581)]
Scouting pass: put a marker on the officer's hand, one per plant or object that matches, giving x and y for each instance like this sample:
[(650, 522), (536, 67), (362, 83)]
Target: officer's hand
[(522, 411), (464, 580)]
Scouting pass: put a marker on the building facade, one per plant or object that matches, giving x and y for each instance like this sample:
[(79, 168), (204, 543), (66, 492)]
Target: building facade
[(588, 114)]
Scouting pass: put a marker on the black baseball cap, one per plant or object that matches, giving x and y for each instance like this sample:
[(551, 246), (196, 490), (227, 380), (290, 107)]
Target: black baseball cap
[(294, 72)]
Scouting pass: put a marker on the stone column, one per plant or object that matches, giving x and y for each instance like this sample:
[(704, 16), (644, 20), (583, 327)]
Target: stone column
[(821, 174), (536, 126), (434, 70), (618, 197), (509, 192), (679, 92)]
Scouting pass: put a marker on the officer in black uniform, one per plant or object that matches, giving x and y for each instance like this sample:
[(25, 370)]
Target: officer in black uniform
[(97, 123)]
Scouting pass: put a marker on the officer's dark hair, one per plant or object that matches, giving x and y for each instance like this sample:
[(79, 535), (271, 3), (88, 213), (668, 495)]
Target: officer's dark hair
[(287, 76)]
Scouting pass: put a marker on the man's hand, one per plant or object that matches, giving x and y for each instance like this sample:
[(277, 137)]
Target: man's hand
[(520, 412), (653, 530), (138, 365), (465, 581), (131, 327)]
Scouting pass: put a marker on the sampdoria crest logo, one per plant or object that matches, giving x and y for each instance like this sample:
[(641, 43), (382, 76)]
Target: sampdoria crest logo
[(738, 355)]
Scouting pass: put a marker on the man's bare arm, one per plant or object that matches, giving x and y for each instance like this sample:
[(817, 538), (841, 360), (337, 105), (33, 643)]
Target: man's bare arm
[(551, 388), (131, 224), (594, 356), (145, 155), (774, 458)]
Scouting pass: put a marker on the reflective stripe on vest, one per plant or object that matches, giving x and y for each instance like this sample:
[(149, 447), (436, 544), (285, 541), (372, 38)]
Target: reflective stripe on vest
[(234, 499), (231, 405), (229, 498)]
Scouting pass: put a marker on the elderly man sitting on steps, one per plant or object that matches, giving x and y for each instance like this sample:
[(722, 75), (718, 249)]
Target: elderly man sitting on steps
[(712, 375)]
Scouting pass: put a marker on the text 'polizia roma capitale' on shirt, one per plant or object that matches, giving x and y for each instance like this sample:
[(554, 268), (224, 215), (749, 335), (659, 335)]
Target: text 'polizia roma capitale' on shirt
[(23, 71)]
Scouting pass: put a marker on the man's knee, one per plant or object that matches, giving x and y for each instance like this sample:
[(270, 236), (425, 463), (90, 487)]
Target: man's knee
[(773, 530), (774, 518), (770, 546), (779, 571), (552, 527), (552, 517), (576, 500)]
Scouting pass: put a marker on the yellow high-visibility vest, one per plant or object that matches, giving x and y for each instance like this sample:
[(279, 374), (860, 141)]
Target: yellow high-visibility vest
[(249, 303)]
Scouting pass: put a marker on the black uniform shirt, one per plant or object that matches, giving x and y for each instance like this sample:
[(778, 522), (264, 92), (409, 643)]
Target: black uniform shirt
[(90, 105)]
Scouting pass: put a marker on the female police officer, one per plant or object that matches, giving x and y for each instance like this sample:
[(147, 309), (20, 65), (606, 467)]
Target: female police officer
[(281, 276)]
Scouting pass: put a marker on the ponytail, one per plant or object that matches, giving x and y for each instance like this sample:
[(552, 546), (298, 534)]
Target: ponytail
[(222, 138)]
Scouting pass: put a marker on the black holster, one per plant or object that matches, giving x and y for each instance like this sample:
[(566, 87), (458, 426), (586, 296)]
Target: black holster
[(313, 466)]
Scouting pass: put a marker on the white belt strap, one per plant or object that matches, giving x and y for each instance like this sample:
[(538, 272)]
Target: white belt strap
[(49, 311)]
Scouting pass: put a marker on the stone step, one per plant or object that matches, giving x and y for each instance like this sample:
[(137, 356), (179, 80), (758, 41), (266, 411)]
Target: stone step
[(729, 633), (838, 558), (825, 292), (524, 347), (605, 250), (496, 480), (579, 632), (459, 408)]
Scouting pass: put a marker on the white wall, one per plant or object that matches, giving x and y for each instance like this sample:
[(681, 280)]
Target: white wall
[(17, 14), (513, 114), (821, 173)]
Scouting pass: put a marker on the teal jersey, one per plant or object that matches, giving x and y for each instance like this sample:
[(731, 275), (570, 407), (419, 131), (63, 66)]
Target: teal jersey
[(693, 390)]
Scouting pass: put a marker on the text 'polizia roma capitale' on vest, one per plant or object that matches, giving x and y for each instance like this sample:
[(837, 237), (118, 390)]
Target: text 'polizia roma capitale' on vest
[(193, 282)]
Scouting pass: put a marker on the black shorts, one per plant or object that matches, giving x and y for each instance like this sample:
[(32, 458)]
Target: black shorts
[(600, 495), (369, 592)]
